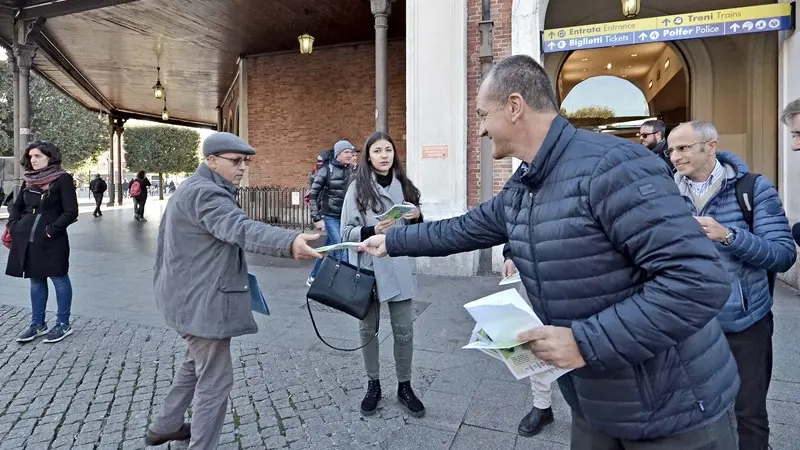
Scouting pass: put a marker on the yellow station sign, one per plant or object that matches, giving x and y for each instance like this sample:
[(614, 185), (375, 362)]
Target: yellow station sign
[(751, 14)]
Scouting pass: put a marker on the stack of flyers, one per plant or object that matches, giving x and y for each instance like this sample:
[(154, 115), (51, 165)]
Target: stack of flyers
[(396, 212), (511, 279), (334, 247)]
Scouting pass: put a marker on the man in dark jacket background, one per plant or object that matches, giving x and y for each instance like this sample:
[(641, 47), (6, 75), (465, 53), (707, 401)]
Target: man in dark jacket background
[(98, 188), (653, 135), (614, 264), (327, 197)]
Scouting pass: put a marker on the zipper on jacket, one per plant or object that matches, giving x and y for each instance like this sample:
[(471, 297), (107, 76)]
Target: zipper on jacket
[(700, 404), (713, 197), (35, 224), (745, 303), (532, 195)]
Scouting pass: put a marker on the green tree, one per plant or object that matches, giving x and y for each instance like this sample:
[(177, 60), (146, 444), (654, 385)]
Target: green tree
[(161, 149), (55, 117), (594, 112)]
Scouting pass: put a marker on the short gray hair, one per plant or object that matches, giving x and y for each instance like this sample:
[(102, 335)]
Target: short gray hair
[(703, 129), (791, 110), (522, 75)]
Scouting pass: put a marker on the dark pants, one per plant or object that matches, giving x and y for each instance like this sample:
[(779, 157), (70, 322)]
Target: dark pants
[(752, 349), (719, 435), (98, 200), (138, 206)]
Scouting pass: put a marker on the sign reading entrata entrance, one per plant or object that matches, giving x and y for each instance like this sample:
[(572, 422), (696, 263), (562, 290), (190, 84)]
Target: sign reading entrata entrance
[(722, 22)]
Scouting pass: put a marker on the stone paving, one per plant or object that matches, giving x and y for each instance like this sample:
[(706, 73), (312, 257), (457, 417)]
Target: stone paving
[(100, 387)]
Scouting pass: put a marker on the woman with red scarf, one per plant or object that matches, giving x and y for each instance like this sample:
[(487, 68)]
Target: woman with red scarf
[(37, 226)]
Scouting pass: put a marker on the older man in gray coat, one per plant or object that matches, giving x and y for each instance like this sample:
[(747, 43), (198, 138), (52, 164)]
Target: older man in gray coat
[(201, 287)]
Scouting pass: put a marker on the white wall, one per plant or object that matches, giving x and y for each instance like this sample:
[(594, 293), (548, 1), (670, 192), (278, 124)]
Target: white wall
[(788, 161), (436, 115)]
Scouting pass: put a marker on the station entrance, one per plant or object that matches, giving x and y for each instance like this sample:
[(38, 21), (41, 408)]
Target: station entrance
[(720, 65)]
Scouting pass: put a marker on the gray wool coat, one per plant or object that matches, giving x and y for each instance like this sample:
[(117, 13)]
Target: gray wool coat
[(394, 278), (201, 285)]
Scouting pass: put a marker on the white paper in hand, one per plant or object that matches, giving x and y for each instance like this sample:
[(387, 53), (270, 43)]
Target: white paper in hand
[(503, 315), (511, 279)]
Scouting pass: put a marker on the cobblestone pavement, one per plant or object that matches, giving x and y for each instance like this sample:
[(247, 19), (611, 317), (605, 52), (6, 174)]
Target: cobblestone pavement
[(100, 387)]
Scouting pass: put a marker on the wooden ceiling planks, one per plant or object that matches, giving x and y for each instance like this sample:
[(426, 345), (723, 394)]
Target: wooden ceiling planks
[(195, 42)]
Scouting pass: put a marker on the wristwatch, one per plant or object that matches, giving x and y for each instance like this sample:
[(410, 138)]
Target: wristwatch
[(729, 237)]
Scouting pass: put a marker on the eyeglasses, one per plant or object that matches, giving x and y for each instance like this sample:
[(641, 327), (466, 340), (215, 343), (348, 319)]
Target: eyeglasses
[(683, 148), (237, 161), (644, 135)]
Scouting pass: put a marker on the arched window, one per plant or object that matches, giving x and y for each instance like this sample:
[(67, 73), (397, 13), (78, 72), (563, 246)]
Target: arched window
[(605, 95)]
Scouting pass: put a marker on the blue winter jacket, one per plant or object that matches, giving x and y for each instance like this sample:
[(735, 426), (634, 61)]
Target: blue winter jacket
[(606, 245), (769, 247)]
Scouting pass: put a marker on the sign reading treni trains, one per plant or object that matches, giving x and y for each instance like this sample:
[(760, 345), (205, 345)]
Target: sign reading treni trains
[(722, 22)]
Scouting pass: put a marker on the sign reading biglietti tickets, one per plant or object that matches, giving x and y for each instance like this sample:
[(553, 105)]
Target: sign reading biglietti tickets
[(721, 22)]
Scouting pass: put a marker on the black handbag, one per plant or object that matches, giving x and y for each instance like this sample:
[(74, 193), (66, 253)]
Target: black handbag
[(346, 288)]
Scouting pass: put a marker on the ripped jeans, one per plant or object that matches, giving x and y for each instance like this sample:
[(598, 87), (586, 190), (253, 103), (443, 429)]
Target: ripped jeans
[(401, 314)]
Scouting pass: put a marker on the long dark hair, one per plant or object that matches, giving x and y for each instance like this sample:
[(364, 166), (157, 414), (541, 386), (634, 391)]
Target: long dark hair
[(367, 195)]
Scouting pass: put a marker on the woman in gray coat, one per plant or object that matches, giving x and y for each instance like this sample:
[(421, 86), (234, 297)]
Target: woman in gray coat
[(380, 183)]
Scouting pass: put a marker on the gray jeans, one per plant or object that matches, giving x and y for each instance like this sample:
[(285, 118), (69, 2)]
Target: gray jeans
[(401, 314), (206, 376), (719, 435)]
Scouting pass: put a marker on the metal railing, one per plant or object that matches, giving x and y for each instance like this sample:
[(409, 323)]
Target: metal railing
[(278, 206)]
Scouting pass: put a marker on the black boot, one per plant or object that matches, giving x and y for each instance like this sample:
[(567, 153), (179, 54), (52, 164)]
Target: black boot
[(369, 405), (409, 401), (534, 421)]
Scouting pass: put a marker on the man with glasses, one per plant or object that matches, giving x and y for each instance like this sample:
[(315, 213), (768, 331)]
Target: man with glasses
[(202, 287), (327, 197), (653, 135), (708, 179), (791, 118)]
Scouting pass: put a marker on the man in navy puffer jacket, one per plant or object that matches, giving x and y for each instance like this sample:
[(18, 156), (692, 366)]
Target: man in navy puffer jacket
[(707, 179), (613, 263)]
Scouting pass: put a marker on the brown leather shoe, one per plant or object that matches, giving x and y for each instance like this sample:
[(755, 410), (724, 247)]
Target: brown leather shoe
[(184, 433)]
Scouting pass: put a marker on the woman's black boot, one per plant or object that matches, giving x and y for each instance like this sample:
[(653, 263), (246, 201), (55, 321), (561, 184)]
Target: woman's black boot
[(370, 403), (409, 401)]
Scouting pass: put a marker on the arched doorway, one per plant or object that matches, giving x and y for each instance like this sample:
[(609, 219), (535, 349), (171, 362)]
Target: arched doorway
[(636, 82)]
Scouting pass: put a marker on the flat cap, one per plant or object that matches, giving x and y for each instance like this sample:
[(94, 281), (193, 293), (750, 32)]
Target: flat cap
[(221, 142)]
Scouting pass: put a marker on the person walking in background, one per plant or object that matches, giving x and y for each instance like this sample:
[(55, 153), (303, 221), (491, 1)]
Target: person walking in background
[(380, 183), (327, 195), (542, 413), (46, 205), (201, 287), (138, 190), (98, 188)]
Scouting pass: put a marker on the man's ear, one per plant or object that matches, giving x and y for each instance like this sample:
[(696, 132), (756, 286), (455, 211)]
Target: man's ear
[(517, 105)]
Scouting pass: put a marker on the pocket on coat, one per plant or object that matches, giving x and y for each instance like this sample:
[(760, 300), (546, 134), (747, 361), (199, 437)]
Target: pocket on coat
[(235, 290)]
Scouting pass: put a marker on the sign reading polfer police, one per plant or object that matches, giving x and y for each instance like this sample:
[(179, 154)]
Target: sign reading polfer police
[(722, 22)]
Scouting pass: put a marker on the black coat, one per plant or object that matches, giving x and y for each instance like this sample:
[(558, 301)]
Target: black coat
[(328, 190), (38, 223)]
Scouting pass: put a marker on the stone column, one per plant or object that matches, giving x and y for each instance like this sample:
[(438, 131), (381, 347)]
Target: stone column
[(436, 117), (120, 129), (381, 9), (112, 185), (23, 54), (15, 112)]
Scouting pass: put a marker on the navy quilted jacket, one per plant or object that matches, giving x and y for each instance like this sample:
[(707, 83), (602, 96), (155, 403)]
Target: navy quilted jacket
[(606, 245), (769, 247)]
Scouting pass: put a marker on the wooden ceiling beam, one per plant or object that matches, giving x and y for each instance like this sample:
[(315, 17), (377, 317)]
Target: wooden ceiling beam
[(65, 7), (58, 59)]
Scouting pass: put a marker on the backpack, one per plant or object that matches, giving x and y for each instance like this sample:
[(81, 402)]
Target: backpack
[(745, 195), (135, 189), (307, 196)]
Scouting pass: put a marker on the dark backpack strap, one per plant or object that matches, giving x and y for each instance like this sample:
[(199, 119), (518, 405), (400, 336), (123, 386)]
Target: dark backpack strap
[(746, 195)]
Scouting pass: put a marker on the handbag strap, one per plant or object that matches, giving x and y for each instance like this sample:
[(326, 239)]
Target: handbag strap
[(314, 323)]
